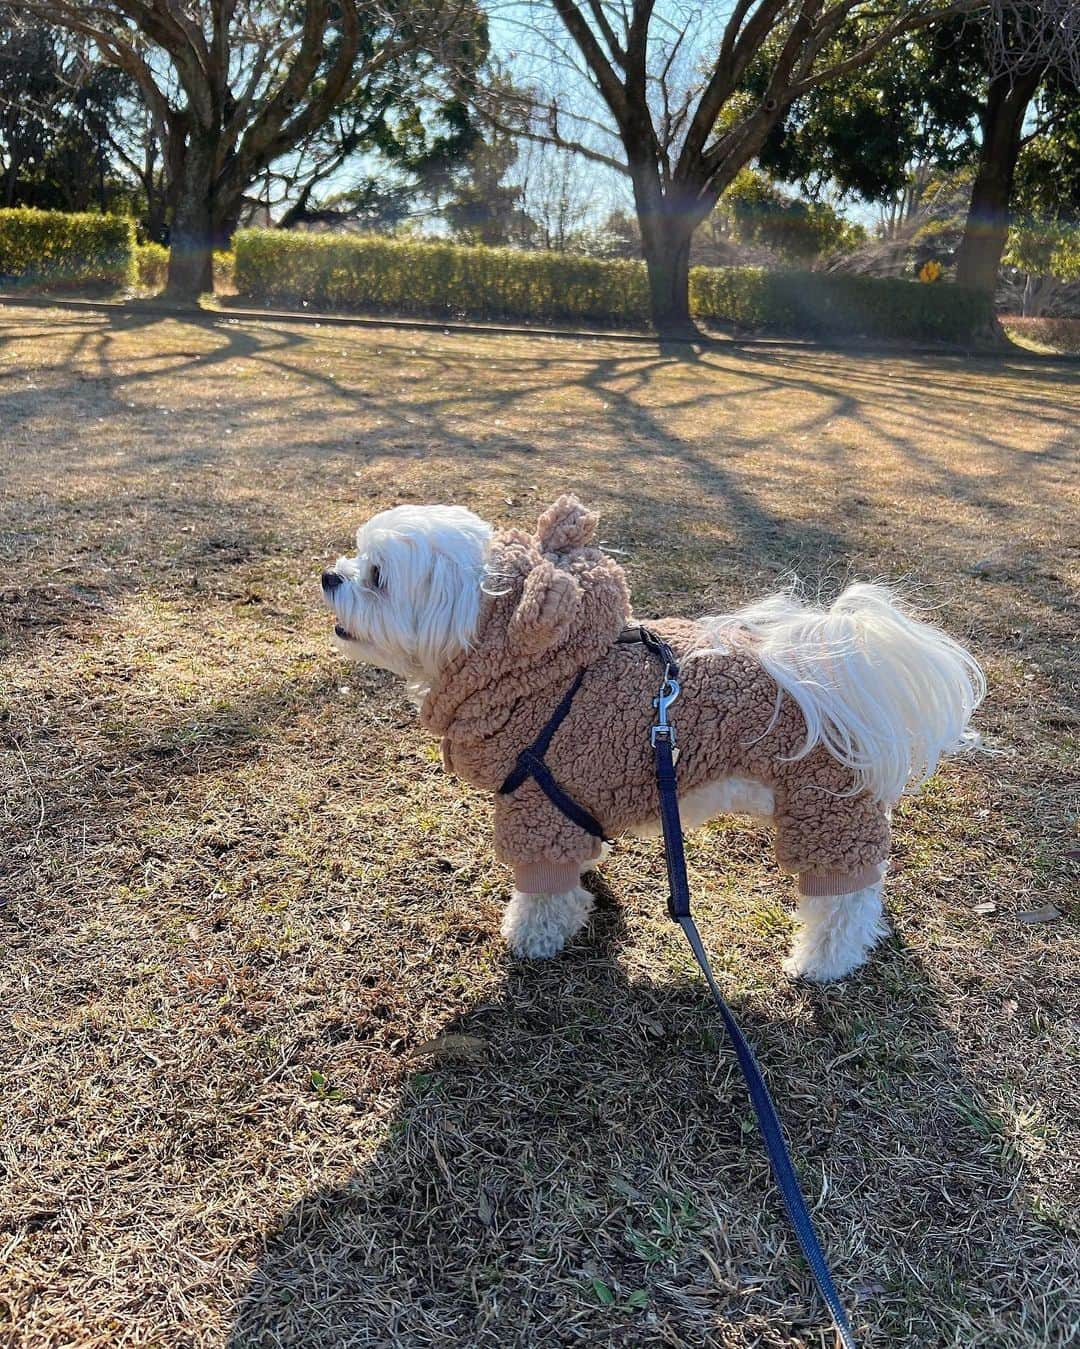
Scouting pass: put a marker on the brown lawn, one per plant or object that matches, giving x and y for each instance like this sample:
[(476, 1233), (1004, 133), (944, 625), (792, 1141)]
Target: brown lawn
[(268, 1075)]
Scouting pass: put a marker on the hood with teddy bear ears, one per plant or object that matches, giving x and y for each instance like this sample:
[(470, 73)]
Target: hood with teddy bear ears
[(553, 603)]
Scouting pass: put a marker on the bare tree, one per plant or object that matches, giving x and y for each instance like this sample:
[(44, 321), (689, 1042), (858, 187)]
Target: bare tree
[(232, 85), (556, 195), (1026, 41), (688, 93), (1023, 35)]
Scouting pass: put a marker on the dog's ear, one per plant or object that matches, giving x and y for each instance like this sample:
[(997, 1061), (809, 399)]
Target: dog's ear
[(566, 525), (549, 602)]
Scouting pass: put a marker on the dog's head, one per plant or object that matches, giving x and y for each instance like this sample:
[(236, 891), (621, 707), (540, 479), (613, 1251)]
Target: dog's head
[(411, 599)]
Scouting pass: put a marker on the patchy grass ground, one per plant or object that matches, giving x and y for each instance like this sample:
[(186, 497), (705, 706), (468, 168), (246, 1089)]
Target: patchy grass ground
[(268, 1075)]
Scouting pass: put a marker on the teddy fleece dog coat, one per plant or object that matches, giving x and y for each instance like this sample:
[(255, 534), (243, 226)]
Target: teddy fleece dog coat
[(554, 605)]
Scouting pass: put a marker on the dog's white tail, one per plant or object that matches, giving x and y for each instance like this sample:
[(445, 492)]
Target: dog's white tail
[(885, 693)]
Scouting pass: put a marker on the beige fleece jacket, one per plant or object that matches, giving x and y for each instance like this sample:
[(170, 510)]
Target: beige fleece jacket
[(556, 606)]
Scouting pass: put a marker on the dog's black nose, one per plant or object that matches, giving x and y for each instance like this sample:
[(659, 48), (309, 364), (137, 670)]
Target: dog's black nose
[(330, 581)]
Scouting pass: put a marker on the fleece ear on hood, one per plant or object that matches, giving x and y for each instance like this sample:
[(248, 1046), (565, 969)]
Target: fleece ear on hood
[(566, 525), (550, 599)]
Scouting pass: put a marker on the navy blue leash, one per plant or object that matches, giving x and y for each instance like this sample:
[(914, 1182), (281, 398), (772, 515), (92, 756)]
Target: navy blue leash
[(530, 764), (663, 741)]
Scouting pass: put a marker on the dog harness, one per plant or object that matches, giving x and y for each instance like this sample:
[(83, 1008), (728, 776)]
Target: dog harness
[(531, 764)]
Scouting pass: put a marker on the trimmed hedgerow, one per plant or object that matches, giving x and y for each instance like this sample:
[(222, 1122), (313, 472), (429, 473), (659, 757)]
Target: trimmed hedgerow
[(1055, 334), (442, 279), (151, 266), (61, 248), (833, 304)]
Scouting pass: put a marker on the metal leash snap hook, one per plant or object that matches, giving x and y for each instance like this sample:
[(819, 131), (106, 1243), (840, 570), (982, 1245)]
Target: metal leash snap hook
[(669, 691)]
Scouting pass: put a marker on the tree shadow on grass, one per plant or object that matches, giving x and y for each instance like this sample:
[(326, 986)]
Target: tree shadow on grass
[(687, 492), (576, 1162)]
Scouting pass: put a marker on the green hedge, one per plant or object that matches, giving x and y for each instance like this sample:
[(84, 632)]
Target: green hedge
[(403, 277), (359, 271), (54, 248), (834, 304), (1054, 334), (151, 266)]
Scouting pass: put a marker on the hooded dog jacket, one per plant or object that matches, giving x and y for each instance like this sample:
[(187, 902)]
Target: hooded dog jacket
[(555, 605)]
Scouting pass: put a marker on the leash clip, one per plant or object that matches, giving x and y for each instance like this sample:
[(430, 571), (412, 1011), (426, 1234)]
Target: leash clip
[(669, 691)]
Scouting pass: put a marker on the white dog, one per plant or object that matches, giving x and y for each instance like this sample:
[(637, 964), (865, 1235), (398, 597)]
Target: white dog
[(489, 629)]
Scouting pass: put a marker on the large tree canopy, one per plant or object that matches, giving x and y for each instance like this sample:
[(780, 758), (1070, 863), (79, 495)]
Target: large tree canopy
[(672, 110), (235, 85), (877, 132)]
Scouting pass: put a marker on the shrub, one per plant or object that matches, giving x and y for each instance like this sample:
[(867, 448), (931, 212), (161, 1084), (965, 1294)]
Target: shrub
[(1052, 334), (224, 265), (56, 248), (407, 277), (831, 304), (439, 279), (151, 266), (755, 211)]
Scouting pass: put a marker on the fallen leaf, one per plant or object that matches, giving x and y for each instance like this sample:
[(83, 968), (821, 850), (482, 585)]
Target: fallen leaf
[(484, 1210), (469, 1048), (603, 1292), (1046, 914)]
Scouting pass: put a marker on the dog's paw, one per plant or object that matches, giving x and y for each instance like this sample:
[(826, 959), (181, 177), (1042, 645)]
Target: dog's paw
[(821, 968), (835, 935), (537, 926)]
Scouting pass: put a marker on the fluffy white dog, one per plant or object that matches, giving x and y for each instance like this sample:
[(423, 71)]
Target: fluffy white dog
[(814, 719)]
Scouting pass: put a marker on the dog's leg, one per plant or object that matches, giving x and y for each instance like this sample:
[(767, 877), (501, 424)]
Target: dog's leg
[(594, 862), (537, 926), (835, 934)]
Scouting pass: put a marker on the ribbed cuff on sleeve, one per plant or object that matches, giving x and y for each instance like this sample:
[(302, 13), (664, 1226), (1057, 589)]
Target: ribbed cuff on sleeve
[(823, 883)]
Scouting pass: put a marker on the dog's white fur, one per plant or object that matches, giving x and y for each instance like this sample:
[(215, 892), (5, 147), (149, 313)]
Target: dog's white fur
[(885, 693), (410, 599)]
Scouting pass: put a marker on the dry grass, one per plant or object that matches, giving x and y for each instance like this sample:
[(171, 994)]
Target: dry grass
[(241, 900)]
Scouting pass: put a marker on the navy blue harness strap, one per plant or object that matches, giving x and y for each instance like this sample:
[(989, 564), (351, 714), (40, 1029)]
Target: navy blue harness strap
[(530, 764)]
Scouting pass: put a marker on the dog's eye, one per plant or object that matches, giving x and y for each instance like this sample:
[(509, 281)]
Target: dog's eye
[(375, 577)]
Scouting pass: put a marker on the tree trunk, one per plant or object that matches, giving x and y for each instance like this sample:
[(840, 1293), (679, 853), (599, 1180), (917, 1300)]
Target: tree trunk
[(1039, 292), (978, 259), (191, 232), (666, 231), (298, 211), (667, 258), (11, 178)]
